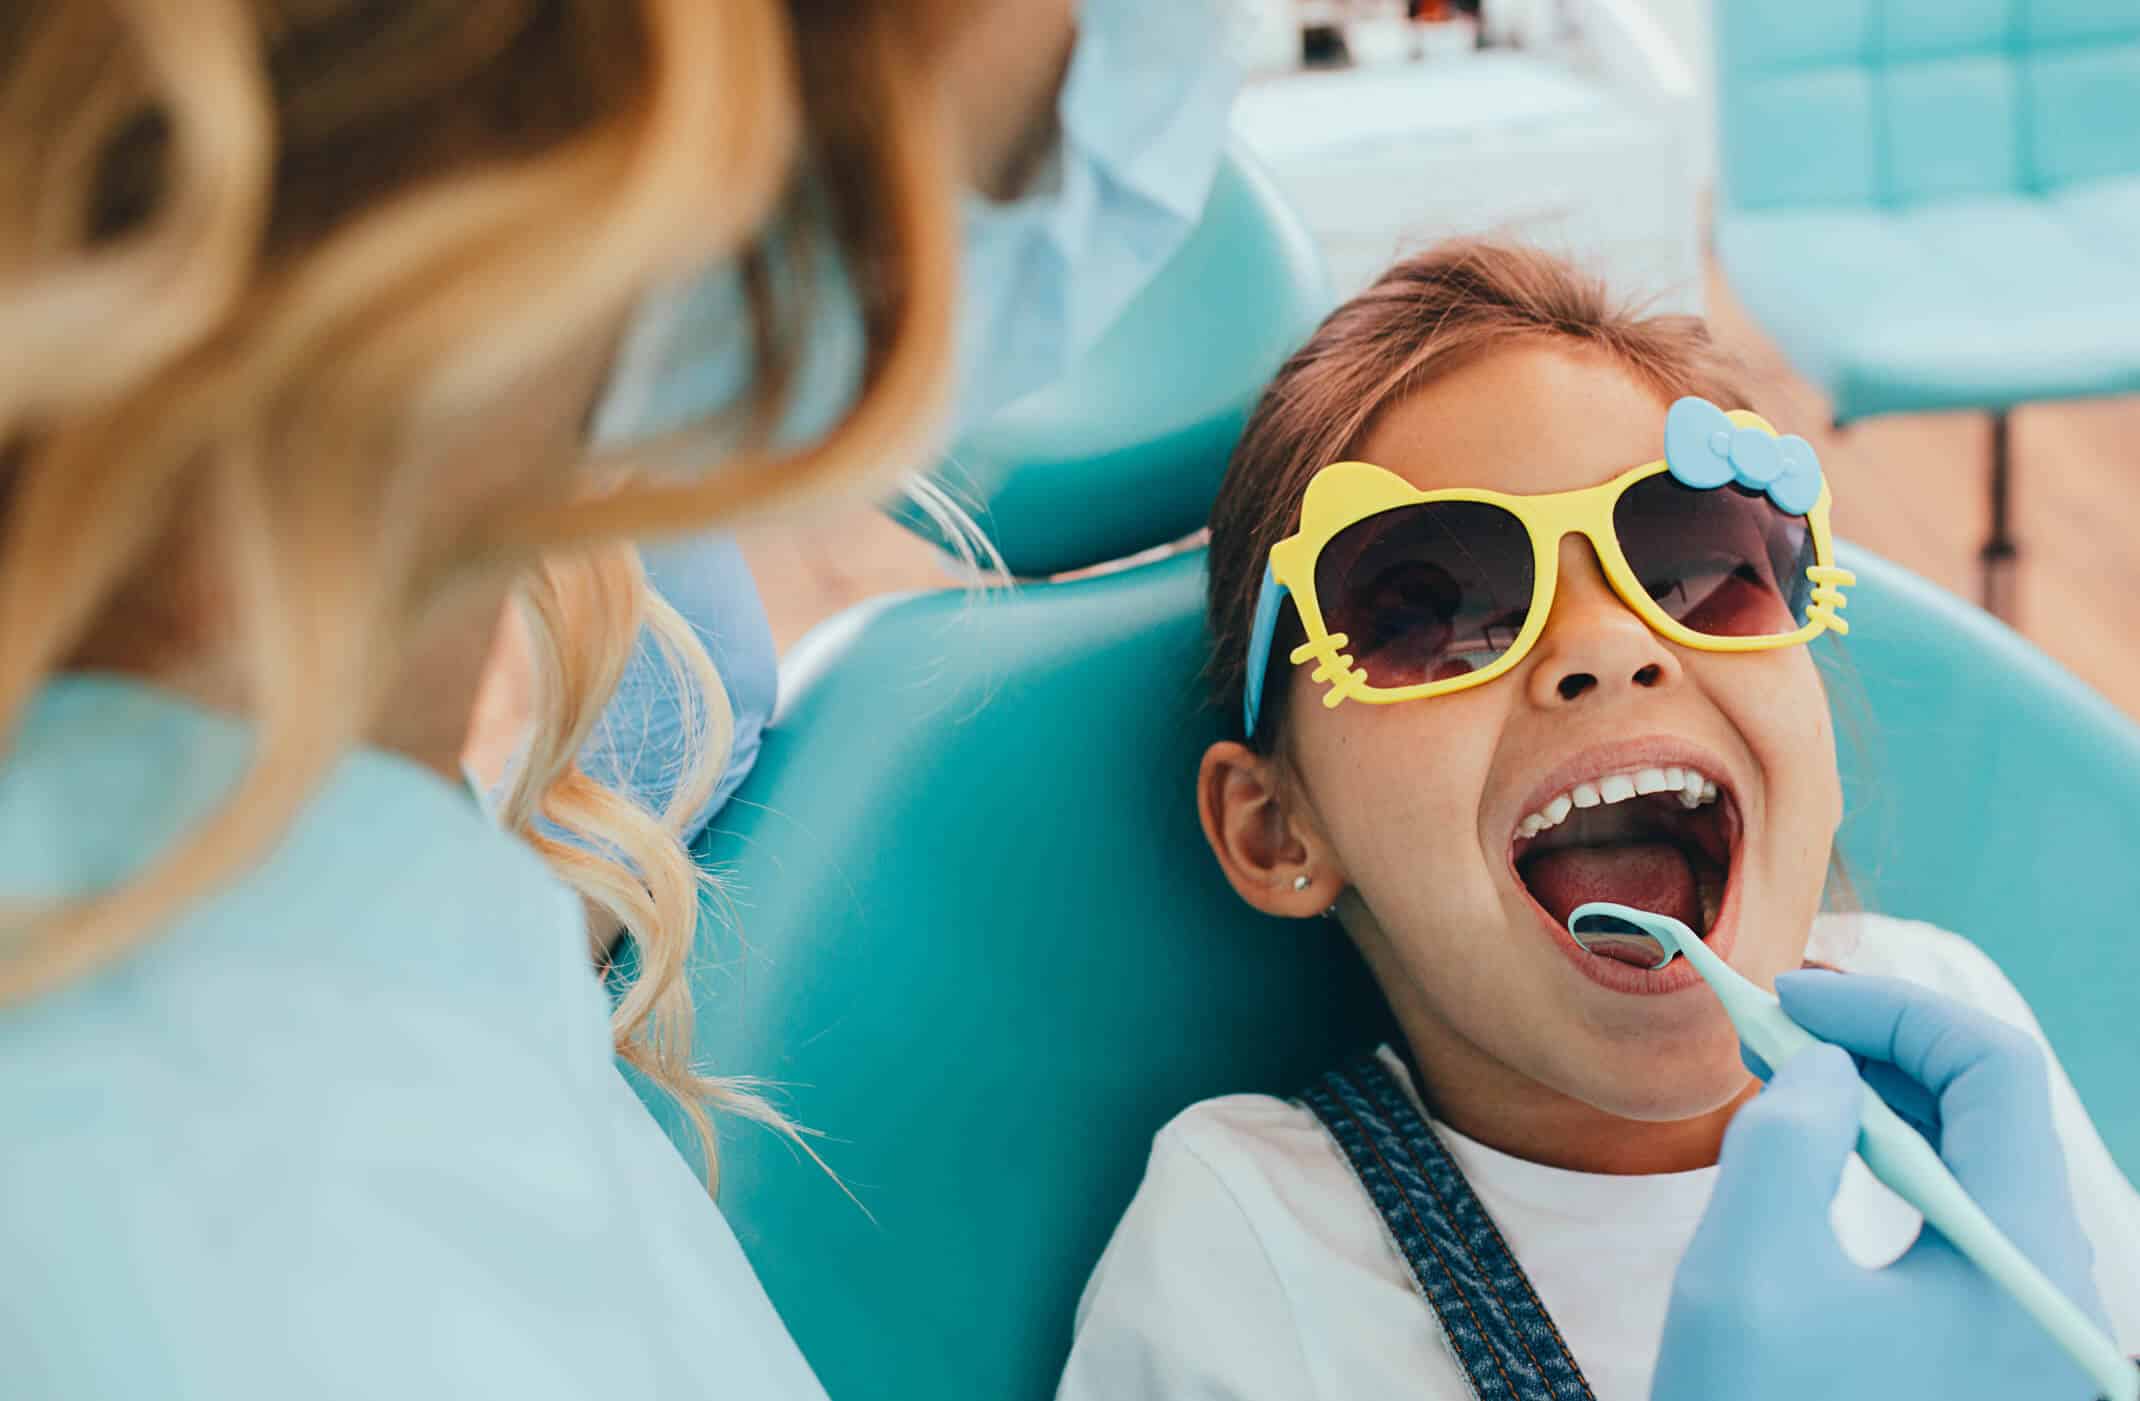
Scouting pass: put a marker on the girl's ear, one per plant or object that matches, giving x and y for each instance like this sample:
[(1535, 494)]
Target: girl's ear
[(1273, 857)]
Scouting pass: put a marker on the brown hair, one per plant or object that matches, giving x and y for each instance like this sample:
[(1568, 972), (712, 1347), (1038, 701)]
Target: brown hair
[(1426, 317)]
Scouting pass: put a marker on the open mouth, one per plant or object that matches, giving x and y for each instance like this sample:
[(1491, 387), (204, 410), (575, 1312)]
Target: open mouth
[(1657, 838)]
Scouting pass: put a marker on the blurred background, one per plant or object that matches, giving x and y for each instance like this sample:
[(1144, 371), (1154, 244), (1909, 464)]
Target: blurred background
[(1952, 315)]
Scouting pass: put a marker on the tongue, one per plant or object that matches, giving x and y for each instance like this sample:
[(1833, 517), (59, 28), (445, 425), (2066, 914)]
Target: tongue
[(1652, 876)]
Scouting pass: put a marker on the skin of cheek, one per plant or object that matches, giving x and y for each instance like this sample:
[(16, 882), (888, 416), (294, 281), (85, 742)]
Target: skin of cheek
[(1396, 792), (1787, 869)]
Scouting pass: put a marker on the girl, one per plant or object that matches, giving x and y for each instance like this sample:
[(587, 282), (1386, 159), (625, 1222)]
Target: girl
[(1450, 737)]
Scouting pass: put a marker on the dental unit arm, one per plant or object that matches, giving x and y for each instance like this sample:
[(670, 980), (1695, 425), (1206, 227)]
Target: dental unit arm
[(1897, 1154)]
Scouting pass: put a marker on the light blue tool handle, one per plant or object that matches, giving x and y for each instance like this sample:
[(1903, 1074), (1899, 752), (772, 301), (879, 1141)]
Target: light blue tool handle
[(1899, 1156)]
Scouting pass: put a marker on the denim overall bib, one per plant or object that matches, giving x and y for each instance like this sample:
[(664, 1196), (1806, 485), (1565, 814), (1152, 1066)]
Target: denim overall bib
[(1495, 1325)]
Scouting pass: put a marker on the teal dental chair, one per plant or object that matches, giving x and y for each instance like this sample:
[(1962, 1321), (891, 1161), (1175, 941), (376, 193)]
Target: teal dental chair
[(1935, 204), (987, 953)]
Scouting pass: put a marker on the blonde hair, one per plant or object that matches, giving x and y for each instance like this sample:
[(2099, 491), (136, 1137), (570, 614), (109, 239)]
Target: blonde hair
[(584, 615), (257, 259)]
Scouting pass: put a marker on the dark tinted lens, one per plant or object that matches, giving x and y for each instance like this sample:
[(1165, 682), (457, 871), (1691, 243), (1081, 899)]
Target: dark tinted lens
[(1427, 593), (1723, 561)]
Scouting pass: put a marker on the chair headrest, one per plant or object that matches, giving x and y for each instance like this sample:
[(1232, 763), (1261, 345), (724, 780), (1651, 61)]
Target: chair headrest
[(990, 955), (1126, 452)]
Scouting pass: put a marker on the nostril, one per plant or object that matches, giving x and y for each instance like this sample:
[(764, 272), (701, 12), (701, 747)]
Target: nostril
[(1649, 675), (1575, 683)]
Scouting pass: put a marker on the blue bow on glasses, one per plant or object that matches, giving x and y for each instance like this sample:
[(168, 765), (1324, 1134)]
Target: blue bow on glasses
[(1704, 448)]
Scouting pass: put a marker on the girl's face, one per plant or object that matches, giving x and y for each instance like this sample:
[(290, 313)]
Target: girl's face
[(1416, 811)]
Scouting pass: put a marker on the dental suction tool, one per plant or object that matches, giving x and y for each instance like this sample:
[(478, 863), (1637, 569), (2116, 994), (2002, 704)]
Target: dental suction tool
[(1897, 1154)]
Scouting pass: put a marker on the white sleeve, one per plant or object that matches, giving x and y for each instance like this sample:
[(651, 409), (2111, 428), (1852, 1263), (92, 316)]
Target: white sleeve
[(1185, 1303), (2108, 1207)]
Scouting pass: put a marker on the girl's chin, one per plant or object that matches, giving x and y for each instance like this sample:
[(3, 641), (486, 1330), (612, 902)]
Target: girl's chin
[(1678, 1103), (1656, 1082)]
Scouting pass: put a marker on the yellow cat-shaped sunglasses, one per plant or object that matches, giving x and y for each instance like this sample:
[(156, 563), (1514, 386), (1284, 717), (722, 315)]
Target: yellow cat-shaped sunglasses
[(1722, 545)]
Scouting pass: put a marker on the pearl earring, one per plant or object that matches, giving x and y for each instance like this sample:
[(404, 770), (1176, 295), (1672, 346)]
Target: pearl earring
[(1301, 882)]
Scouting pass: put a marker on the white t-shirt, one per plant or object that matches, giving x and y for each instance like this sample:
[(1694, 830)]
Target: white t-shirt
[(1251, 1264)]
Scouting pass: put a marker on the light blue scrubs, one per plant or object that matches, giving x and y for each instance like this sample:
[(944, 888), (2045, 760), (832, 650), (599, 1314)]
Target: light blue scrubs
[(351, 1128)]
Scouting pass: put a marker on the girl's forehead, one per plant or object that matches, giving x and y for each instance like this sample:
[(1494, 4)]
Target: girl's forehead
[(1527, 419)]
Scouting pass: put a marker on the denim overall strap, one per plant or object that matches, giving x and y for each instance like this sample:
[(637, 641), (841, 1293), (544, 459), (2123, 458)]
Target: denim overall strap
[(1488, 1311)]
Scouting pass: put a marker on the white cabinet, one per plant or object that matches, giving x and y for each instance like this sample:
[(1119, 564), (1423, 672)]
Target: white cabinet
[(1589, 150)]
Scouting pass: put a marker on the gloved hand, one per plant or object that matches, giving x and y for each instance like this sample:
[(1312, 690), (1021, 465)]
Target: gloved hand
[(1766, 1307), (639, 745)]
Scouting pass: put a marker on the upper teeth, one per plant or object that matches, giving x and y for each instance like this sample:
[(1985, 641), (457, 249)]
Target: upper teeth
[(1693, 787)]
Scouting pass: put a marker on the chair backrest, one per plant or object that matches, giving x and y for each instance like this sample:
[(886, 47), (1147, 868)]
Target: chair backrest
[(1126, 452), (856, 961), (989, 953), (988, 950), (1897, 102), (1991, 792)]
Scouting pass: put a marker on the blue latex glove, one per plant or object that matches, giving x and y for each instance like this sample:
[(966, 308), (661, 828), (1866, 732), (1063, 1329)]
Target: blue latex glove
[(638, 746), (1766, 1307)]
